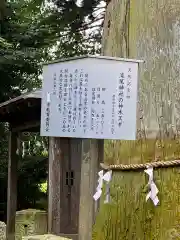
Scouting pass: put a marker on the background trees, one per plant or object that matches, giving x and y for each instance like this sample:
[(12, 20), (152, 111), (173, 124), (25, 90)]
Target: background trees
[(33, 31)]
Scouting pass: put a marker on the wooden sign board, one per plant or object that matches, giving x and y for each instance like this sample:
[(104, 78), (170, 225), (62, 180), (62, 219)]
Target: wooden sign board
[(90, 97)]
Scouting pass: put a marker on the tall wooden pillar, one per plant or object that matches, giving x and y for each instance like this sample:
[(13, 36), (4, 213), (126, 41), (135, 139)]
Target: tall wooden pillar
[(12, 186), (73, 167), (64, 185), (92, 154)]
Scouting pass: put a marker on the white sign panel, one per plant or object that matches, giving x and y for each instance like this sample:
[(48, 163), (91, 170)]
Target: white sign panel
[(90, 98)]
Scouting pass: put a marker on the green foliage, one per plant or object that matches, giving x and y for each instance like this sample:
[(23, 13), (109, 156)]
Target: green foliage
[(43, 187), (18, 59), (81, 19), (31, 32), (32, 171)]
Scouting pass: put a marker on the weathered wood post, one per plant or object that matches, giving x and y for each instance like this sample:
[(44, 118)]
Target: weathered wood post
[(79, 110), (89, 169), (70, 207), (64, 185), (12, 186)]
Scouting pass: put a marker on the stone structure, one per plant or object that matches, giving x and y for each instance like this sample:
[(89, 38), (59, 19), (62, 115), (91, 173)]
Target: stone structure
[(30, 222), (45, 237), (2, 231)]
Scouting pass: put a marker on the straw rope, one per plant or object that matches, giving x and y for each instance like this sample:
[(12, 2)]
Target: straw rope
[(124, 167)]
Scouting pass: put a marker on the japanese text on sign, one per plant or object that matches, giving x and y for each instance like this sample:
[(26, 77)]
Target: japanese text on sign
[(91, 98)]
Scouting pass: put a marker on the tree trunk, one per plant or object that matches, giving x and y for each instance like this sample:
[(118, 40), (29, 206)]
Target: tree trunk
[(147, 30)]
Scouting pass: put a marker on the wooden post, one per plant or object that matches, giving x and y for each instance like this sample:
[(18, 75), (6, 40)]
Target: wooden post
[(54, 169), (92, 154), (12, 187), (64, 185), (71, 206)]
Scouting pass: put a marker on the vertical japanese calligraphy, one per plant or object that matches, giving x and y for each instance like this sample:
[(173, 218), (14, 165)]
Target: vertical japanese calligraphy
[(54, 84), (85, 103), (120, 98), (70, 89), (129, 77), (47, 116), (92, 119), (65, 100), (75, 97), (60, 90), (97, 110), (80, 92), (102, 121), (113, 114)]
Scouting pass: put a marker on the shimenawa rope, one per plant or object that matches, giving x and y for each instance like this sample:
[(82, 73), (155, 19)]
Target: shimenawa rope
[(124, 167)]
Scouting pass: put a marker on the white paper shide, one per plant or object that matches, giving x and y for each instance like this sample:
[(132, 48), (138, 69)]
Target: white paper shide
[(153, 189), (103, 177), (98, 193)]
